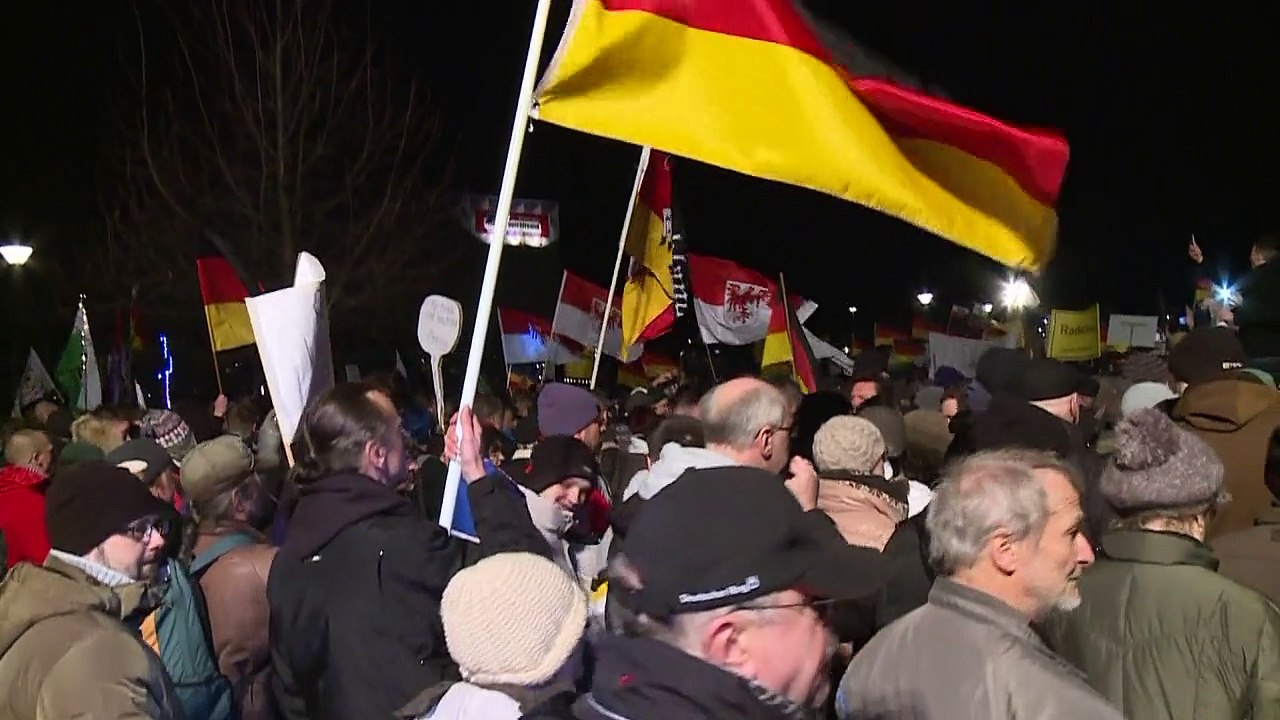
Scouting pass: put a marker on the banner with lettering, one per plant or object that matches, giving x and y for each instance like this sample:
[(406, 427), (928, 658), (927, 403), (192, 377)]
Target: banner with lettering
[(1073, 334)]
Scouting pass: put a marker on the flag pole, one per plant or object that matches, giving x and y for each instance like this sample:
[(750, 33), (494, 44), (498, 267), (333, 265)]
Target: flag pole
[(547, 367), (497, 239), (786, 314), (213, 347), (617, 262)]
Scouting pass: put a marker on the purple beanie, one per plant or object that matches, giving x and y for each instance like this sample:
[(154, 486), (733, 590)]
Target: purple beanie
[(565, 409)]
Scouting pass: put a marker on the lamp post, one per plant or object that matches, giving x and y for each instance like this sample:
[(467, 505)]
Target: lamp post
[(1017, 295), (925, 298), (15, 253)]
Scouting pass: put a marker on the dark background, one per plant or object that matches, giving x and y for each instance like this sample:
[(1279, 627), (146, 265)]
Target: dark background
[(1171, 115)]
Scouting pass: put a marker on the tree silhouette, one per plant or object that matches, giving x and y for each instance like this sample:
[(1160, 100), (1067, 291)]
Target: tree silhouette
[(273, 127)]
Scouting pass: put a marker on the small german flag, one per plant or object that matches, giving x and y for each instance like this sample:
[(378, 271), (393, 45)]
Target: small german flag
[(224, 294)]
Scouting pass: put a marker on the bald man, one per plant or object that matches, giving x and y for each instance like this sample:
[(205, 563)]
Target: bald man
[(22, 484), (749, 421)]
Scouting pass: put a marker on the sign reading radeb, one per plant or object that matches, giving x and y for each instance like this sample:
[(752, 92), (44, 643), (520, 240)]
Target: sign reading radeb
[(1073, 335)]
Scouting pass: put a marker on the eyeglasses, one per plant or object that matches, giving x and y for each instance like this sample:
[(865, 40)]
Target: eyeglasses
[(824, 608), (140, 530)]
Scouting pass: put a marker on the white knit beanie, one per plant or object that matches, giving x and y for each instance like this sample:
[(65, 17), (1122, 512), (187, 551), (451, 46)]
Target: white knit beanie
[(848, 443), (512, 619)]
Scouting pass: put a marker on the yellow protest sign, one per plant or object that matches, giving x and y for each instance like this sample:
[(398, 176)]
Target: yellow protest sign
[(1073, 335)]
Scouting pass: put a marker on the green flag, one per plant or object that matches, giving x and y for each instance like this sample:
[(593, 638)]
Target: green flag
[(77, 373)]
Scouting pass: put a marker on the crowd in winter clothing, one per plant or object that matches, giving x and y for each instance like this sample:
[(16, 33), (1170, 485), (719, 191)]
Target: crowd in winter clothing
[(1025, 543)]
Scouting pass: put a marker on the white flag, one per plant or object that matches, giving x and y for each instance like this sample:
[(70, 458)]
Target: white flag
[(35, 384), (291, 327)]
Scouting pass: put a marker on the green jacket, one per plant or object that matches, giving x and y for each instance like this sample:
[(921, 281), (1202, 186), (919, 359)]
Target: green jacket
[(1165, 637), (66, 652)]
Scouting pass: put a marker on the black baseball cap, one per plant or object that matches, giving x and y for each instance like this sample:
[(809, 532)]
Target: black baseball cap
[(144, 458), (722, 536)]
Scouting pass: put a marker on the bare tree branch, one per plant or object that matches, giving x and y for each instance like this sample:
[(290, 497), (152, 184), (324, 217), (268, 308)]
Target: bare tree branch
[(278, 128)]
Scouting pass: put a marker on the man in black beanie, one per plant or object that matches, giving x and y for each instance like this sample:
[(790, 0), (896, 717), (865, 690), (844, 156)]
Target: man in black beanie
[(1041, 412), (69, 646)]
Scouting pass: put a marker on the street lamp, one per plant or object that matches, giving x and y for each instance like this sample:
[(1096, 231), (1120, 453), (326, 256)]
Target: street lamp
[(853, 310), (1017, 294), (15, 253), (925, 297)]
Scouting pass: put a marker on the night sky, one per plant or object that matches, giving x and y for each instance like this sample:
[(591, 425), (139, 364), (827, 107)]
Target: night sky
[(1172, 117)]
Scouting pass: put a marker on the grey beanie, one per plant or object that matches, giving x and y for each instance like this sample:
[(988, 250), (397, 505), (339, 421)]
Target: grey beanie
[(1158, 465)]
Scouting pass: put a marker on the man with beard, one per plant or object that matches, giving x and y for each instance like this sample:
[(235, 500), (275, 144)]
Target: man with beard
[(355, 589), (232, 559), (69, 645), (725, 618), (1007, 541)]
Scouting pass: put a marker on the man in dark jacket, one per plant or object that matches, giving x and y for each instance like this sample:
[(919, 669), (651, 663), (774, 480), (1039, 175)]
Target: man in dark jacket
[(1041, 413), (355, 589), (1258, 316), (725, 619)]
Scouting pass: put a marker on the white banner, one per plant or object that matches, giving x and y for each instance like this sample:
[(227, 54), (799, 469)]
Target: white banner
[(1126, 331), (291, 328), (957, 352)]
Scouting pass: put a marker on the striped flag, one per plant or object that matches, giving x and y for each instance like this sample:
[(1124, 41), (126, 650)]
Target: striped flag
[(224, 294), (760, 87)]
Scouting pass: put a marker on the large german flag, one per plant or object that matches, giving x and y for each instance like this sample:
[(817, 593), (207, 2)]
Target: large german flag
[(648, 310), (224, 293), (749, 85)]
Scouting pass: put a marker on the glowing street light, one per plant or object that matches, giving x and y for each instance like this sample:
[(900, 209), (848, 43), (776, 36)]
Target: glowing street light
[(853, 310), (987, 308), (16, 253), (925, 298), (1017, 294)]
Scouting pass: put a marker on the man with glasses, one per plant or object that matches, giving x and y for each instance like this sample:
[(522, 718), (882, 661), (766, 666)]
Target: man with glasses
[(68, 640), (726, 588)]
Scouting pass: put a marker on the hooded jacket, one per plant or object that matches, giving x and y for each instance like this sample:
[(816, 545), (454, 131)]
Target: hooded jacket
[(22, 515), (1238, 418), (67, 652), (672, 462), (1164, 637), (354, 593)]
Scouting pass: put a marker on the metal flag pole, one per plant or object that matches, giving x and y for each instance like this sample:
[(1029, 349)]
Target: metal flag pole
[(617, 262), (497, 240), (553, 348)]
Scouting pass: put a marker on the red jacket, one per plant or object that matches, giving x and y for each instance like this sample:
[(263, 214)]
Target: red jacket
[(22, 515)]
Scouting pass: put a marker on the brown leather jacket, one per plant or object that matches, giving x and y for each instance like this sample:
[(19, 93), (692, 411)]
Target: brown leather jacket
[(1237, 418), (235, 592)]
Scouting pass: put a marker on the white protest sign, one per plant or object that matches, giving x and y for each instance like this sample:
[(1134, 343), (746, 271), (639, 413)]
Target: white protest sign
[(956, 352), (439, 325), (1126, 331)]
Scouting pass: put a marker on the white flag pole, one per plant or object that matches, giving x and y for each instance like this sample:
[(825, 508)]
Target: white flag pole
[(497, 240), (617, 263), (553, 352)]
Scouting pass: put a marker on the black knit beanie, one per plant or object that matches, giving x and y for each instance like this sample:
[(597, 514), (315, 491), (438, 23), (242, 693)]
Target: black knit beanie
[(92, 501)]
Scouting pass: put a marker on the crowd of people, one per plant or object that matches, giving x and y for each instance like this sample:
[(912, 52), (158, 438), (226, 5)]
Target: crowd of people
[(1030, 542)]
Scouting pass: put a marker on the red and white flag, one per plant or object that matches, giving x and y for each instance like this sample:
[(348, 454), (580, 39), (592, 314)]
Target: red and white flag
[(734, 303), (580, 314), (528, 338)]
